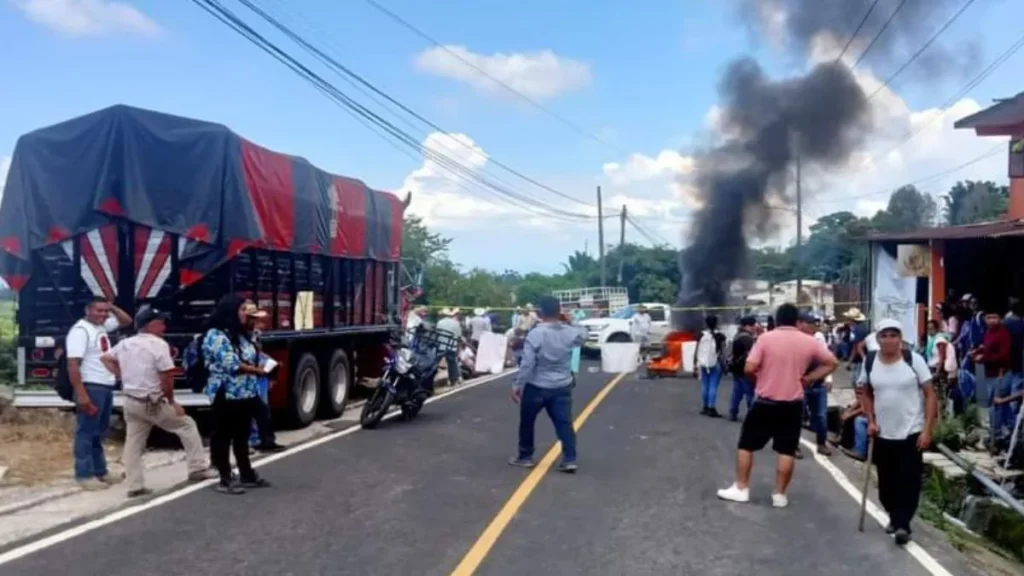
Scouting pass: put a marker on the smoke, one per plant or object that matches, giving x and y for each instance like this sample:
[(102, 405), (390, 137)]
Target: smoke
[(745, 181)]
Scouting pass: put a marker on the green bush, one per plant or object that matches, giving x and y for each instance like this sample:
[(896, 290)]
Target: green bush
[(950, 431)]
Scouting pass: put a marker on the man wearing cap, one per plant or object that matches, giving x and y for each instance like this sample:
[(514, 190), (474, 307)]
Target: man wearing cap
[(902, 408), (544, 382), (144, 365)]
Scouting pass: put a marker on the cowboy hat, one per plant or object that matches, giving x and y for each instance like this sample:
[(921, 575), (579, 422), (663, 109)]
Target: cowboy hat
[(529, 306), (479, 311), (448, 312), (855, 314), (419, 309)]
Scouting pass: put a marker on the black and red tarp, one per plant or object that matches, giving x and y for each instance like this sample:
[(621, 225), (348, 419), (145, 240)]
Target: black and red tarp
[(189, 177)]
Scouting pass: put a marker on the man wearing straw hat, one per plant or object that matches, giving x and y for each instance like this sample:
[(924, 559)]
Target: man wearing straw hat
[(479, 324), (449, 323), (856, 321)]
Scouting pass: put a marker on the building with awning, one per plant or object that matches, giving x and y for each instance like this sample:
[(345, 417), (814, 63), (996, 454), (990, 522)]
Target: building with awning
[(913, 271)]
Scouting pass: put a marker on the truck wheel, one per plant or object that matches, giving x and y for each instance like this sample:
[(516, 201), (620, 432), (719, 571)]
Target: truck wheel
[(334, 389), (304, 395), (620, 337)]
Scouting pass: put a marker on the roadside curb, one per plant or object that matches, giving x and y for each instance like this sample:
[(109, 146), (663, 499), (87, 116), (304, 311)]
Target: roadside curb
[(16, 507)]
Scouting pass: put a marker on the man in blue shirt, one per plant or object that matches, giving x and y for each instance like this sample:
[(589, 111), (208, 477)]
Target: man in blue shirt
[(545, 381)]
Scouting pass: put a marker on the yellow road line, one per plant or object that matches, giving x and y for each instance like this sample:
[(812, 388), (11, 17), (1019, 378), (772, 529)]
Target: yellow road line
[(476, 554)]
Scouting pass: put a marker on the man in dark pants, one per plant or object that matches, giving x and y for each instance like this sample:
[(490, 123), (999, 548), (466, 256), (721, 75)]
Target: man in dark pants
[(545, 381), (742, 387), (902, 409), (816, 395)]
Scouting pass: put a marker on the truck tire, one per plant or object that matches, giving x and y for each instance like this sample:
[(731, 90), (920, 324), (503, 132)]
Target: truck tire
[(304, 392), (335, 387)]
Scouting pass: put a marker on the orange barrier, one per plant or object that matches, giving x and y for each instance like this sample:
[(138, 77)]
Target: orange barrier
[(671, 360)]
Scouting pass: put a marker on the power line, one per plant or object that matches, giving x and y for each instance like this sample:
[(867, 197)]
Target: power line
[(966, 89), (991, 152), (879, 33), (856, 31), (337, 66), (226, 16), (921, 50), (532, 102)]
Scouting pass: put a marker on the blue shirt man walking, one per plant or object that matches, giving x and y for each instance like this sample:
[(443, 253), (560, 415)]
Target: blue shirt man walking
[(545, 381)]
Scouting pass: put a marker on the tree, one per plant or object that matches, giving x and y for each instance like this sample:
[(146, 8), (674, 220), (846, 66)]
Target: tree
[(970, 201), (908, 209)]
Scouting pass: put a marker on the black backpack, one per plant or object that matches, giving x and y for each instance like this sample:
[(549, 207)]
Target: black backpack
[(869, 362), (196, 373), (61, 379)]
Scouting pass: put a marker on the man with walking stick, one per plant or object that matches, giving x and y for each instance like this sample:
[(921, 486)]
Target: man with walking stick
[(902, 409)]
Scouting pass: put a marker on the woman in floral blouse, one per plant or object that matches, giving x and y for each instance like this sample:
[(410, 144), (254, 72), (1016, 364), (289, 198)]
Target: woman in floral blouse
[(234, 371)]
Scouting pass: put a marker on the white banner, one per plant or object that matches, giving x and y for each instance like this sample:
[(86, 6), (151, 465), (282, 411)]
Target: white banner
[(490, 354), (894, 295)]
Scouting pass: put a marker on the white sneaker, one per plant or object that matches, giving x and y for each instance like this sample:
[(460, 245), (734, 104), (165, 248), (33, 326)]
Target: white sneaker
[(734, 494), (780, 500)]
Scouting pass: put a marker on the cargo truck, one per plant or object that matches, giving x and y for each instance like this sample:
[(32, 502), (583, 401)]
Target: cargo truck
[(144, 207)]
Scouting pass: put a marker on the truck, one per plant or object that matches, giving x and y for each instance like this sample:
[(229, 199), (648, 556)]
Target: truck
[(617, 327), (595, 300), (142, 207)]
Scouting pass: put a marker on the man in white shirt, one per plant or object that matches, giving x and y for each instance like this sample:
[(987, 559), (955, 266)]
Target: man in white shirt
[(143, 363), (479, 324), (640, 330), (902, 408), (93, 384), (414, 320)]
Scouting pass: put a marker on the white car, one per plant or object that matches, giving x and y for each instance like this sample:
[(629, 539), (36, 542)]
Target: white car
[(618, 326)]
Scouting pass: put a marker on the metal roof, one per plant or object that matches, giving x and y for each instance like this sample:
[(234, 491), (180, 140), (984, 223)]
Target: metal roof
[(995, 229), (1003, 113)]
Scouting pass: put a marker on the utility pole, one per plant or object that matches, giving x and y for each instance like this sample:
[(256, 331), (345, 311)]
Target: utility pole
[(622, 241), (799, 235), (600, 238)]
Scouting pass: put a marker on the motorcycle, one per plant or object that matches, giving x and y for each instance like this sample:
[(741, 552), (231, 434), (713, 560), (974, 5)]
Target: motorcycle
[(408, 378)]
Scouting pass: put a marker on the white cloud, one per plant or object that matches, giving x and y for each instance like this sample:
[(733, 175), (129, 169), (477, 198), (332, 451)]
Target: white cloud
[(455, 200), (539, 75), (888, 160), (89, 17)]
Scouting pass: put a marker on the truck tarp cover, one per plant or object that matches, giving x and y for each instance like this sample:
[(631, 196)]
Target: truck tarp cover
[(189, 177)]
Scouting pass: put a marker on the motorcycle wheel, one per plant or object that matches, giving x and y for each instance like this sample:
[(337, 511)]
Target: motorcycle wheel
[(376, 407)]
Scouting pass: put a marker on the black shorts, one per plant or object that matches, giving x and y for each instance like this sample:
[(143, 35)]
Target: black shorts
[(779, 422)]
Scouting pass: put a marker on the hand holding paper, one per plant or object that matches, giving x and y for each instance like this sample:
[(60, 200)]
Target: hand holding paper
[(268, 365)]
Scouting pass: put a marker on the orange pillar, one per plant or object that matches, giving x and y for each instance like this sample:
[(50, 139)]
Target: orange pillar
[(1016, 209), (937, 280)]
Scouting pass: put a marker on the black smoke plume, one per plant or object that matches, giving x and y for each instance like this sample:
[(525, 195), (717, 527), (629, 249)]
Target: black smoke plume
[(744, 181)]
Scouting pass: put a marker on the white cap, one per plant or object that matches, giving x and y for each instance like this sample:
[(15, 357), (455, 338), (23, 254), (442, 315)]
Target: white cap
[(889, 324)]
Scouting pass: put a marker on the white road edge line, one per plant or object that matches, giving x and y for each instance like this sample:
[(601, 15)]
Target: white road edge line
[(913, 548), (65, 535)]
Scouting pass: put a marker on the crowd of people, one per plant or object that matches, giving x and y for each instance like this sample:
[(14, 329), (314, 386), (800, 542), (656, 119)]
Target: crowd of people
[(226, 361)]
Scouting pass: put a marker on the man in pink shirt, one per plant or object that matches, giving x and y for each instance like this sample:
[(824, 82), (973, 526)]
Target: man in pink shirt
[(779, 363)]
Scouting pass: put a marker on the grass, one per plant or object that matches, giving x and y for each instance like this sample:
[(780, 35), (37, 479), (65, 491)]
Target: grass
[(37, 445)]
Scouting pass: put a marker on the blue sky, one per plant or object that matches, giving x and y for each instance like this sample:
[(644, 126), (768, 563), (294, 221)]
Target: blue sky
[(642, 80)]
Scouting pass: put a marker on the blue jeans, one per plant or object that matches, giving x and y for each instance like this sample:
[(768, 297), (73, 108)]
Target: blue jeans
[(90, 432), (558, 404), (709, 380), (742, 388), (263, 389), (816, 400), (452, 360), (860, 436), (1002, 417)]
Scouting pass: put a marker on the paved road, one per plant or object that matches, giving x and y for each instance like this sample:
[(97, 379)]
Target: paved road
[(413, 497)]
